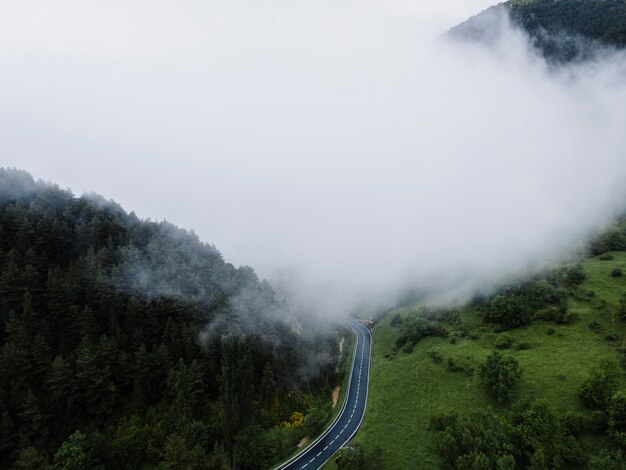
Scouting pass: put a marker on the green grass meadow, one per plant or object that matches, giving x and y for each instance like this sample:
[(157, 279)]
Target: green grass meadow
[(406, 390)]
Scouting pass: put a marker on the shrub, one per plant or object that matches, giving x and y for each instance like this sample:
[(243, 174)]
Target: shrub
[(617, 419), (415, 328), (480, 439), (523, 346), (453, 366), (565, 317), (594, 325), (596, 391), (544, 439), (461, 364), (597, 422), (617, 272), (548, 313), (504, 342), (396, 320), (441, 315), (608, 460), (606, 257), (575, 276), (508, 310), (316, 418), (358, 457), (499, 375), (550, 331), (392, 354), (436, 356), (573, 422)]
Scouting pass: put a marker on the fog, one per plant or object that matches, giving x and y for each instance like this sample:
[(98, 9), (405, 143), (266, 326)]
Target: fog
[(345, 150)]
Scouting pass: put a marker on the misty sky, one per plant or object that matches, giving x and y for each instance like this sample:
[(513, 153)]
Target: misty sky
[(336, 143)]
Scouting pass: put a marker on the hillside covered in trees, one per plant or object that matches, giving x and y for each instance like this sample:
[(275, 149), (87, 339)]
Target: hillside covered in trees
[(127, 343), (563, 30)]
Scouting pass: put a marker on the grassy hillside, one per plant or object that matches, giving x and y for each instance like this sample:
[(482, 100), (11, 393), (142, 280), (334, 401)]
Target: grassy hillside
[(439, 374)]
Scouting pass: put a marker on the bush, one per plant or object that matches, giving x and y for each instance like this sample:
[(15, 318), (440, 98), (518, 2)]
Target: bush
[(436, 356), (608, 460), (573, 422), (509, 311), (596, 391), (597, 422), (594, 325), (544, 439), (357, 457), (613, 240), (523, 346), (606, 257), (396, 320), (460, 365), (617, 272), (617, 419), (565, 317), (550, 331), (575, 276), (499, 375), (316, 418), (415, 328), (392, 354), (441, 315), (504, 342), (478, 440), (74, 453)]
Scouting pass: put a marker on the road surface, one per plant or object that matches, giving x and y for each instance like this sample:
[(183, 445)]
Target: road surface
[(351, 415)]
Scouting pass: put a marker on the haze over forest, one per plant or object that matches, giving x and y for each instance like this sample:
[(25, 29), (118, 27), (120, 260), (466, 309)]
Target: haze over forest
[(348, 148)]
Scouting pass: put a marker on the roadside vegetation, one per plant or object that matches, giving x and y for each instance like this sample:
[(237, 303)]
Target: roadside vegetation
[(532, 376)]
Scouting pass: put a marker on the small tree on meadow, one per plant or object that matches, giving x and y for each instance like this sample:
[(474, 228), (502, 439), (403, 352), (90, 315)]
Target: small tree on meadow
[(499, 375)]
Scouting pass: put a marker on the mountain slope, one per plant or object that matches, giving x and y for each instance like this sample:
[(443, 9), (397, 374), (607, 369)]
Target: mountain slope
[(567, 331), (126, 342), (564, 30), (602, 20)]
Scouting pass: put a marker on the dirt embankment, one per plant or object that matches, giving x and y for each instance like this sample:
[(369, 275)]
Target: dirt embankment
[(336, 391)]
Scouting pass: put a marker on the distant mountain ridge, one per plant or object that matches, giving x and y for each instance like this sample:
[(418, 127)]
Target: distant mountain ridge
[(564, 30)]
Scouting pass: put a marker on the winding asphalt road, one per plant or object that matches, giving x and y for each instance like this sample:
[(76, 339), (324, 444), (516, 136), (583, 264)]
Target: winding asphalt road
[(351, 415)]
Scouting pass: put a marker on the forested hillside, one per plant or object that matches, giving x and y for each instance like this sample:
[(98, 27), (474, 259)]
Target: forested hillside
[(603, 20), (563, 30), (127, 343)]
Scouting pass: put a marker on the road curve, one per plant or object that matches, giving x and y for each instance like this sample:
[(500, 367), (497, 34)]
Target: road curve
[(352, 412)]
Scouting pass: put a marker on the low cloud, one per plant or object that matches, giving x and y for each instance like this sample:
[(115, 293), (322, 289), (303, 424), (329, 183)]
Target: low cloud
[(348, 152)]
